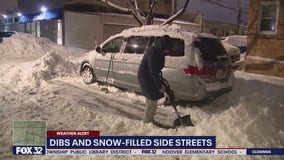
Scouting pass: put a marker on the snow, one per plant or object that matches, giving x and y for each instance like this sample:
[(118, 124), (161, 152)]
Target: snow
[(24, 45), (236, 40), (257, 58), (231, 50), (39, 81)]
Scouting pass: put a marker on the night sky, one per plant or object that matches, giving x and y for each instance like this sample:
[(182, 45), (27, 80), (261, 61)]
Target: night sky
[(219, 10)]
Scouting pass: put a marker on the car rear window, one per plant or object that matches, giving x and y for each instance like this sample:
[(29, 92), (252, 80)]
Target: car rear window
[(210, 48)]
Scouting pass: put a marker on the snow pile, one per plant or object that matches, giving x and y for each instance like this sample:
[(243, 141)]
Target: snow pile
[(24, 45), (33, 74), (52, 65), (29, 61), (254, 122)]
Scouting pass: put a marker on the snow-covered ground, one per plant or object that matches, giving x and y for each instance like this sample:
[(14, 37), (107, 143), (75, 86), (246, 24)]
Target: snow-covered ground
[(39, 81)]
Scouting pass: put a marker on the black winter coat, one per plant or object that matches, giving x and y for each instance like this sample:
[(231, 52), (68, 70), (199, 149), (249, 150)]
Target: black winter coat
[(149, 73)]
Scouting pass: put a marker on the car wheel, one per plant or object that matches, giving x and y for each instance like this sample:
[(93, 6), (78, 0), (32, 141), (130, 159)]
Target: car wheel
[(88, 75)]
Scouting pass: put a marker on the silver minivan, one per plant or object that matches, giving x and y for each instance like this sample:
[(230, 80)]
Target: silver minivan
[(198, 67)]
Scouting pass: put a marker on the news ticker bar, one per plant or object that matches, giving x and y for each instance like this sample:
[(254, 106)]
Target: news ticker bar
[(40, 150), (84, 142)]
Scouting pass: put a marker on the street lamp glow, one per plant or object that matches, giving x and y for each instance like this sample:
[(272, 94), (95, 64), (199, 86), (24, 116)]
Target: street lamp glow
[(19, 14), (43, 8), (5, 16)]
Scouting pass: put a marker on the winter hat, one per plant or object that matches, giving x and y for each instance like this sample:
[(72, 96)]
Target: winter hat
[(164, 42)]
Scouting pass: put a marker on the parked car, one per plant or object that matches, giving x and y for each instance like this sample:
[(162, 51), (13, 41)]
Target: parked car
[(239, 41), (234, 54), (6, 34), (198, 67)]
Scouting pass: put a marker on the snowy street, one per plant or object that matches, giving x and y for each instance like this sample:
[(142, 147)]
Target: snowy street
[(127, 105), (39, 81)]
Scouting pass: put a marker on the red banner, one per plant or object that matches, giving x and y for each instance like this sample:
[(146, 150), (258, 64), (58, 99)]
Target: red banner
[(73, 134)]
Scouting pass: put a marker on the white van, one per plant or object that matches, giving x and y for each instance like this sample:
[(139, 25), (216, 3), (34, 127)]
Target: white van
[(197, 68)]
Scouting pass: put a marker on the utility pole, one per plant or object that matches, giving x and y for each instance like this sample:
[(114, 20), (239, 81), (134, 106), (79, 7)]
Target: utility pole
[(239, 20), (174, 6)]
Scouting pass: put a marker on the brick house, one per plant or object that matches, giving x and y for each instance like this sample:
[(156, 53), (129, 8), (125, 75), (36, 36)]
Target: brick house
[(265, 48)]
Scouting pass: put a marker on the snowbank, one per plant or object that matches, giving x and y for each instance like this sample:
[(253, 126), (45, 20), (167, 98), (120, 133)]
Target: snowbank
[(32, 75), (24, 45), (29, 61)]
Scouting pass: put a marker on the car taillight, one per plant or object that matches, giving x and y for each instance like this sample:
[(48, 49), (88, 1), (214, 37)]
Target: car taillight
[(193, 70)]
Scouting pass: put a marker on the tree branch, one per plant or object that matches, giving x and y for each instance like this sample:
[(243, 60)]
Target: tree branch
[(137, 18), (135, 11), (152, 8), (115, 6), (175, 16)]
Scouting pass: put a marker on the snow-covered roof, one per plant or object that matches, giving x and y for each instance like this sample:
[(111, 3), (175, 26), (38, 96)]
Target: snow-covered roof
[(237, 40), (174, 30), (171, 30)]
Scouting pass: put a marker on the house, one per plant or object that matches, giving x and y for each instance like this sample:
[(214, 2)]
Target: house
[(46, 24), (88, 23), (265, 46)]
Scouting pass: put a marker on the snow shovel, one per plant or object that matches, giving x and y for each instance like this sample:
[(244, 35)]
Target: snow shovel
[(184, 120), (105, 89)]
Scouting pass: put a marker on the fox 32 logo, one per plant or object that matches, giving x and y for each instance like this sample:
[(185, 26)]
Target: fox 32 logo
[(28, 150)]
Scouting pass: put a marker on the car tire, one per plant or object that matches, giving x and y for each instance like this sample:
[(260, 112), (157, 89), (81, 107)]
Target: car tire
[(88, 75)]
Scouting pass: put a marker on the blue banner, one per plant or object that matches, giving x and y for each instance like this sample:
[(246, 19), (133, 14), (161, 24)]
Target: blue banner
[(265, 151), (133, 142)]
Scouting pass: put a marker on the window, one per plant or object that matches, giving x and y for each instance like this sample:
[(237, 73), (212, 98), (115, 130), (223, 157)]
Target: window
[(210, 48), (136, 44), (178, 47), (113, 46), (268, 17)]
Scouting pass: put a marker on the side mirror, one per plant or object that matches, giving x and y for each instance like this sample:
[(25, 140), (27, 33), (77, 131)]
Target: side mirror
[(98, 49)]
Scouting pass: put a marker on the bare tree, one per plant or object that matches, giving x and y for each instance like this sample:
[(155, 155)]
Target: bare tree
[(139, 15)]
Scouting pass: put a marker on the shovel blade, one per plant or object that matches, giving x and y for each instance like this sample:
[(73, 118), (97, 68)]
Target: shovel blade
[(183, 121)]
